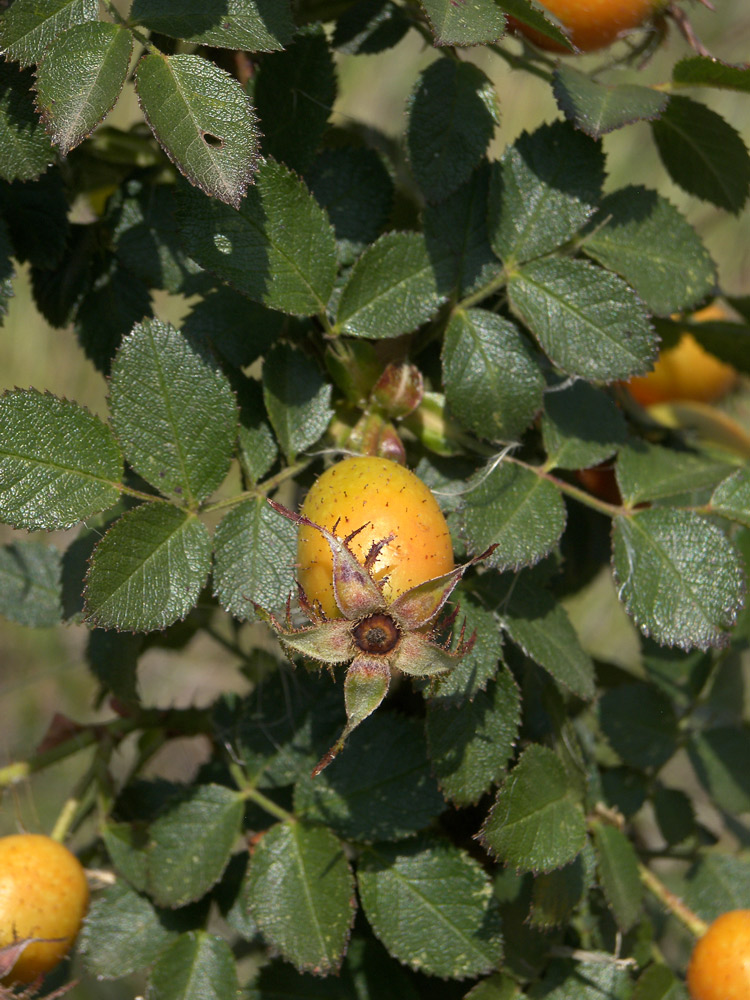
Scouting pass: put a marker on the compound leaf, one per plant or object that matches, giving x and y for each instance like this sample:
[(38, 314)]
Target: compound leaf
[(297, 398), (191, 843), (255, 550), (148, 570), (198, 966), (456, 24), (431, 905), (517, 510), (251, 25), (391, 289), (80, 78), (203, 119), (25, 148), (278, 248), (301, 893), (536, 824), (703, 153), (678, 576), (493, 383), (29, 26), (173, 412), (453, 112), (58, 463), (587, 320)]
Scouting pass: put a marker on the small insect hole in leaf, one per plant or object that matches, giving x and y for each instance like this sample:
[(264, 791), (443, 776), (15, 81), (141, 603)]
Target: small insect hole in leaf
[(214, 141)]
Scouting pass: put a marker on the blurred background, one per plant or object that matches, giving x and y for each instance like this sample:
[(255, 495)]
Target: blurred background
[(43, 672)]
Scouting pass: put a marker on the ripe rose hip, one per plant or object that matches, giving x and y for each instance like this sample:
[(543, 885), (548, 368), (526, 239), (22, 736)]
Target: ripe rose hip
[(43, 900), (375, 570), (719, 967)]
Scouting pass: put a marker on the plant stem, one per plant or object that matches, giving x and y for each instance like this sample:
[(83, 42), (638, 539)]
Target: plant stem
[(268, 805), (609, 509), (262, 489), (695, 924)]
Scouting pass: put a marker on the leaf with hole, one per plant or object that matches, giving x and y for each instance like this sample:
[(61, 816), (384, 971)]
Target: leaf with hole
[(203, 119)]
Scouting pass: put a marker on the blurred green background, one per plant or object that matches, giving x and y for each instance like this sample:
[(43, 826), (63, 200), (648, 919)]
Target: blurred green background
[(43, 671)]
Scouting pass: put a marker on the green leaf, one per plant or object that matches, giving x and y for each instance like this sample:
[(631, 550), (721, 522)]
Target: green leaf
[(354, 188), (302, 895), (453, 112), (391, 289), (113, 660), (198, 966), (620, 879), (674, 814), (25, 148), (59, 464), (369, 27), (431, 905), (536, 824), (498, 986), (203, 119), (650, 472), (173, 412), (148, 570), (731, 498), (642, 237), (256, 445), (718, 882), (544, 188), (707, 71), (581, 426), (721, 759), (30, 584), (575, 980), (255, 553), (658, 982), (598, 108), (493, 383), (233, 24), (30, 26), (191, 843), (297, 397), (556, 894), (230, 325), (526, 12), (80, 78), (587, 320), (294, 93), (456, 237), (380, 789), (454, 24), (477, 667), (146, 241), (123, 933), (470, 744), (517, 510), (539, 625), (281, 730), (703, 153), (279, 248), (108, 311), (678, 576), (36, 214), (640, 724)]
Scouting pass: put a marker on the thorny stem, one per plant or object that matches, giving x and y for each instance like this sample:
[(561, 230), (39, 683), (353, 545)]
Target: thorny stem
[(695, 924)]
